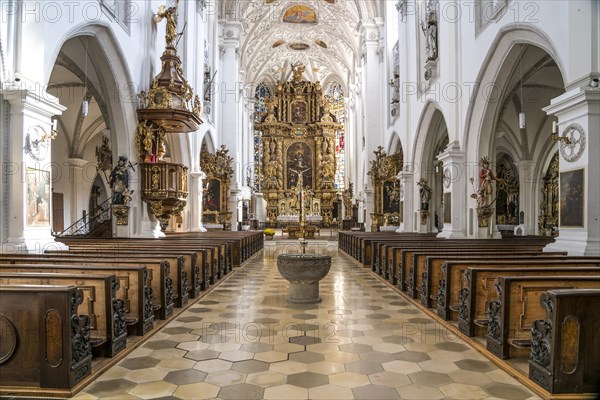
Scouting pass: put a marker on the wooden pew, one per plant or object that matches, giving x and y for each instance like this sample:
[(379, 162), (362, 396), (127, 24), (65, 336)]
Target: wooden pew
[(46, 343), (135, 284), (518, 305), (108, 331), (428, 265), (452, 276), (187, 270), (478, 290), (565, 348)]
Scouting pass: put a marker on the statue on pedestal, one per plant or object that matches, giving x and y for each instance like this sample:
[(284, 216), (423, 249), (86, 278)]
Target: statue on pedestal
[(424, 194)]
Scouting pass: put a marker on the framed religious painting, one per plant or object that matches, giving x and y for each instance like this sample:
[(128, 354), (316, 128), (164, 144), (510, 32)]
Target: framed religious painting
[(447, 208), (298, 112), (391, 197), (38, 198), (572, 194), (212, 196)]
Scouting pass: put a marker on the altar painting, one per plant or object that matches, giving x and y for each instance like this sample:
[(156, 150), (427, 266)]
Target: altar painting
[(38, 198), (299, 163), (300, 14), (298, 112), (212, 196), (571, 198), (391, 197)]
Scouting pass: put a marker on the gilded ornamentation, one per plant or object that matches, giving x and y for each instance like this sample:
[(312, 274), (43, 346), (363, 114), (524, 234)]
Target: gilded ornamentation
[(386, 190), (121, 213), (171, 16), (298, 139), (549, 211), (104, 155)]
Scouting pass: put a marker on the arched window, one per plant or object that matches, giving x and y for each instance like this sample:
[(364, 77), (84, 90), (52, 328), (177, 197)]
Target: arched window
[(260, 94), (335, 92)]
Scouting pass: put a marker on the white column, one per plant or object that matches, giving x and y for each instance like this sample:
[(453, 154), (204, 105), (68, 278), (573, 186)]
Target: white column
[(453, 160), (78, 198), (230, 105), (408, 186), (374, 108), (30, 112), (579, 109), (527, 197), (195, 198)]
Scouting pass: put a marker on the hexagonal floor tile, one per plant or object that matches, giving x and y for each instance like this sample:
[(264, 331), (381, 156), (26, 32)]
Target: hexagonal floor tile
[(503, 390), (475, 365), (305, 340), (355, 348), (429, 378), (139, 363), (412, 356), (419, 392), (307, 380), (152, 390), (438, 366), (146, 375), (452, 346), (286, 392), (364, 367), (330, 392), (243, 391), (256, 347), (213, 365), (185, 377), (198, 391), (401, 367), (288, 367), (236, 355), (460, 391), (375, 392), (250, 366), (389, 379), (201, 355), (349, 379), (110, 388), (266, 379), (349, 333), (192, 346), (161, 344), (326, 367), (307, 357), (225, 378)]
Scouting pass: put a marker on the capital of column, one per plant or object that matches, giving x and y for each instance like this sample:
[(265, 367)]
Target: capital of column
[(231, 33), (77, 162), (40, 104), (373, 31)]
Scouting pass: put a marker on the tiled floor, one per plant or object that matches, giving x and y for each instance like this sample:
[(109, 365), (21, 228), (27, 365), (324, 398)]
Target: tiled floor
[(243, 341)]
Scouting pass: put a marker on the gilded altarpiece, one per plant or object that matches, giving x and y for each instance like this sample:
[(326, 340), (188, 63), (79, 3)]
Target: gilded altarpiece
[(383, 172), (215, 198), (298, 140)]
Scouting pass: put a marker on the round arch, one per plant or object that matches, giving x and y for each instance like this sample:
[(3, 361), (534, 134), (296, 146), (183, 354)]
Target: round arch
[(111, 69), (481, 114)]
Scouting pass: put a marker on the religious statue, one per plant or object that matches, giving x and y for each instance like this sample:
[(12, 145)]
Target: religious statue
[(171, 15), (424, 194), (119, 182), (429, 28), (347, 199), (104, 155), (297, 71), (486, 176)]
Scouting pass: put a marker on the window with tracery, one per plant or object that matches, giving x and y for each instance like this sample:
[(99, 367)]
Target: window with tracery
[(260, 106), (335, 92)]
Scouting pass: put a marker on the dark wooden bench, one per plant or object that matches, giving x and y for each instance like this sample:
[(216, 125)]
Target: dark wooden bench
[(511, 316), (428, 265), (565, 348), (161, 277), (45, 343), (478, 291), (135, 284), (108, 330), (452, 276)]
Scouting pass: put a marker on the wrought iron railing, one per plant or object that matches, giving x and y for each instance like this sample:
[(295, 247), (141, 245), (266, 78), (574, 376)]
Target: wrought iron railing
[(89, 222)]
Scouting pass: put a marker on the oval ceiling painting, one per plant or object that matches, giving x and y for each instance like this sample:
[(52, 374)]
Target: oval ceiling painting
[(300, 14), (299, 46)]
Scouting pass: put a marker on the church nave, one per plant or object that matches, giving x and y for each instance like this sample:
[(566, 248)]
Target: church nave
[(244, 341)]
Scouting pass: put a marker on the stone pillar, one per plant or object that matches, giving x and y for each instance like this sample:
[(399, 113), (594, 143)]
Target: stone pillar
[(231, 97), (407, 181), (195, 199), (28, 165), (260, 207), (455, 178), (578, 113), (374, 108), (77, 183), (527, 196)]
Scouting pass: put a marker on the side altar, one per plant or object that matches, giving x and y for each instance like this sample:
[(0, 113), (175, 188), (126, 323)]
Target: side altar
[(298, 133)]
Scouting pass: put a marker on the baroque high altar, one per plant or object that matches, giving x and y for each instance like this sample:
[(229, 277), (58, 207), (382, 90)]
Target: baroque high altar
[(298, 138)]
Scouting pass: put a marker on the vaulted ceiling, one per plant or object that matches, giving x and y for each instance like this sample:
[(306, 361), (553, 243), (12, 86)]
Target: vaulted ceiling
[(327, 38)]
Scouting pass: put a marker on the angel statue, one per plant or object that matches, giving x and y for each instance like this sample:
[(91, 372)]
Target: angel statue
[(171, 15)]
